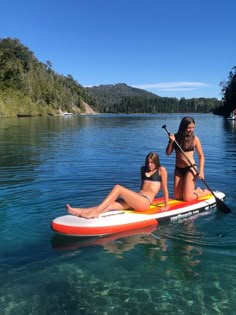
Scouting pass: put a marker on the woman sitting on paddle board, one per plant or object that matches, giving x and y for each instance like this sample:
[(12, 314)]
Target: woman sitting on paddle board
[(185, 175), (154, 177)]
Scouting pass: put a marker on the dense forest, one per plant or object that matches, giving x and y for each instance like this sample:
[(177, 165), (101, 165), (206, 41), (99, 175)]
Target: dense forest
[(229, 95), (29, 87), (120, 98)]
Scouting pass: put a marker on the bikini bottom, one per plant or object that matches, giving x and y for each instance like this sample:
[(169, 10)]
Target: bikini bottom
[(145, 196), (184, 170)]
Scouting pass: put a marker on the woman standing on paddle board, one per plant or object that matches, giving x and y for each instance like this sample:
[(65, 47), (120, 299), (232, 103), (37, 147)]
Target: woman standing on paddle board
[(154, 177), (185, 176)]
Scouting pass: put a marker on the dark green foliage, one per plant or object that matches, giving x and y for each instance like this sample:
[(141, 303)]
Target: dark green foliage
[(121, 98), (229, 95), (30, 87)]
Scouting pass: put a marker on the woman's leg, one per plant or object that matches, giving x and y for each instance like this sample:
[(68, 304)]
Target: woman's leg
[(77, 211), (132, 200), (189, 192), (117, 205), (178, 185), (188, 188), (198, 192)]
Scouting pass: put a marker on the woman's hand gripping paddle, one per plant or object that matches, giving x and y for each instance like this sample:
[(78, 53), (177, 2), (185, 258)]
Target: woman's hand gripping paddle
[(219, 203)]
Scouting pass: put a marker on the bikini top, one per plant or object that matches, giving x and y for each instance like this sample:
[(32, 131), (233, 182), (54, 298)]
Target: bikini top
[(190, 148), (153, 178)]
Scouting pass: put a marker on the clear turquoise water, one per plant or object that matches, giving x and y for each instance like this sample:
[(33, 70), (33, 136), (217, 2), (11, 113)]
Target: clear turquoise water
[(178, 268)]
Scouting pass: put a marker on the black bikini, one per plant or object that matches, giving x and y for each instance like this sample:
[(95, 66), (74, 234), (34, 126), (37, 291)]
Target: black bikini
[(153, 178), (189, 149), (184, 170)]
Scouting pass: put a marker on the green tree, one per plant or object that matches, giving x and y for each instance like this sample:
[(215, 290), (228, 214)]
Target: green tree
[(30, 87), (229, 93)]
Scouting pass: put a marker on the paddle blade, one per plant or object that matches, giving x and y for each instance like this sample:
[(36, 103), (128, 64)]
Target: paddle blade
[(221, 206)]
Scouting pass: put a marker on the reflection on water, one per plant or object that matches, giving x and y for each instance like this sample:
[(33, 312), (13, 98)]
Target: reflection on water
[(230, 125), (177, 268), (115, 243), (230, 147)]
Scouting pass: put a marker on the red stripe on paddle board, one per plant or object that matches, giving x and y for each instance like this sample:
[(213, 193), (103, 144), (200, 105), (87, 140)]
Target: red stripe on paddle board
[(102, 230)]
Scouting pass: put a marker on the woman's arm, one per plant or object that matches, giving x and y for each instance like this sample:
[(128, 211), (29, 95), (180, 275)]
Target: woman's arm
[(170, 145), (142, 170), (201, 157), (164, 186)]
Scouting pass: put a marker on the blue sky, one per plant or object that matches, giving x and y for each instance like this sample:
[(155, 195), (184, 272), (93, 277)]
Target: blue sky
[(171, 48)]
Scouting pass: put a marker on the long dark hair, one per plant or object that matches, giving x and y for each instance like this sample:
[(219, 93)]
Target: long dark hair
[(155, 159), (183, 140)]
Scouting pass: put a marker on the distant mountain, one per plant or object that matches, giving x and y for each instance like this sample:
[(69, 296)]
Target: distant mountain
[(109, 95), (121, 98), (29, 87), (116, 92)]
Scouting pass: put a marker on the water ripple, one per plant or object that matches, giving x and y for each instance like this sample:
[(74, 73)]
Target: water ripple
[(173, 269)]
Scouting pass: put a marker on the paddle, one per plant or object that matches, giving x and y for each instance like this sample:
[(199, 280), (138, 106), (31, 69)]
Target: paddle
[(219, 203)]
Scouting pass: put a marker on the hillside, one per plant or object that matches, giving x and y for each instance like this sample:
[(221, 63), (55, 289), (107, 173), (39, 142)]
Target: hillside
[(31, 88), (113, 94), (121, 98)]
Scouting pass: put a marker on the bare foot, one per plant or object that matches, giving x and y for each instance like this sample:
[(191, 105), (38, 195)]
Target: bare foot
[(89, 213), (198, 189), (74, 211), (86, 213), (206, 192), (201, 192)]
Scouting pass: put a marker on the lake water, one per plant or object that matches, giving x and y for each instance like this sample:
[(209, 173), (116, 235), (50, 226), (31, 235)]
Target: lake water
[(187, 267)]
